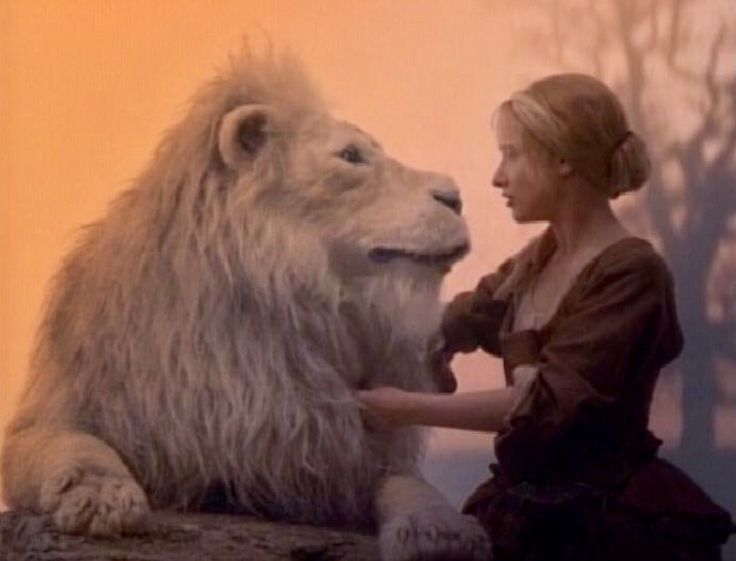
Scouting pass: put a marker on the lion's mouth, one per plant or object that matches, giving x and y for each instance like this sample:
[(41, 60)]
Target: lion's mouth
[(386, 254)]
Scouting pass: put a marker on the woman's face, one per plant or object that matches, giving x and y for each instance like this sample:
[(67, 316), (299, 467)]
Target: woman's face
[(527, 179)]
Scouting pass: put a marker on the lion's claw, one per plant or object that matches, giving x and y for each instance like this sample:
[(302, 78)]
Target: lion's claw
[(439, 533), (98, 505)]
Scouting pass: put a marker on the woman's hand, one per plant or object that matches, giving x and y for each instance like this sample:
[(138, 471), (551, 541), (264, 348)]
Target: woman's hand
[(438, 360), (389, 405), (457, 326)]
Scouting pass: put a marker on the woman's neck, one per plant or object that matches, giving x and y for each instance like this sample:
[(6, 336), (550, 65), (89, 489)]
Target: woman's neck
[(585, 220)]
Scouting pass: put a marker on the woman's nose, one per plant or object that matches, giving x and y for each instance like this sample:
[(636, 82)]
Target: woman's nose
[(499, 178)]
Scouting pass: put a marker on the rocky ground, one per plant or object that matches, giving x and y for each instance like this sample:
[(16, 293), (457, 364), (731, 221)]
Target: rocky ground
[(185, 537)]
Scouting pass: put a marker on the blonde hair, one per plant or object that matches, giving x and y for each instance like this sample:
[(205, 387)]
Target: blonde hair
[(578, 118)]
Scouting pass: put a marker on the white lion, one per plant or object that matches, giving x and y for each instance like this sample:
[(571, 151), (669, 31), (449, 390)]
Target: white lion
[(203, 341)]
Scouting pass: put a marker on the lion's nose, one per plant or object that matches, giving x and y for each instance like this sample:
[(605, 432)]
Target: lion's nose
[(450, 199)]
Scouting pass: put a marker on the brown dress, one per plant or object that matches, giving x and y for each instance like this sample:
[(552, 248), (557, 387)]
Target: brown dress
[(577, 476)]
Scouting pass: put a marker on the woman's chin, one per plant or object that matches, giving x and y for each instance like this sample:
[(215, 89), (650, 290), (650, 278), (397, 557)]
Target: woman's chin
[(521, 217)]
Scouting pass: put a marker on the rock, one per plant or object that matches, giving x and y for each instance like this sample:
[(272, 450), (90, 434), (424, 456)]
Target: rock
[(185, 537)]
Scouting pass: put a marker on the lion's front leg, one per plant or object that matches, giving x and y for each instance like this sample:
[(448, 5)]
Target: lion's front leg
[(76, 478), (417, 522)]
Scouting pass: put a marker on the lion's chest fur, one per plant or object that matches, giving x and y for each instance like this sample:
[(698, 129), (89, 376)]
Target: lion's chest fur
[(258, 400)]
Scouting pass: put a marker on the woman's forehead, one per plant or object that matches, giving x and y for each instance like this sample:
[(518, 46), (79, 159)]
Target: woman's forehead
[(509, 129)]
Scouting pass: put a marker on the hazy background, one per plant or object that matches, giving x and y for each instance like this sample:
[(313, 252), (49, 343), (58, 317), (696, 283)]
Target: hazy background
[(87, 87)]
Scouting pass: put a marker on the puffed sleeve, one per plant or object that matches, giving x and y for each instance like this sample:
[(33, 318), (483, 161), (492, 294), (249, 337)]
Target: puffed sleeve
[(473, 318), (607, 343)]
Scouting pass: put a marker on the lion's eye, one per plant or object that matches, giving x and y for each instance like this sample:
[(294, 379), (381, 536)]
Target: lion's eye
[(351, 154)]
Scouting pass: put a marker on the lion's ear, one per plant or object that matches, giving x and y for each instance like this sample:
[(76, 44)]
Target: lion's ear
[(243, 133)]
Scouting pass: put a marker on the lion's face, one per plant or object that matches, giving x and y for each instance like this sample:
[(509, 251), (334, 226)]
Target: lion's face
[(372, 212)]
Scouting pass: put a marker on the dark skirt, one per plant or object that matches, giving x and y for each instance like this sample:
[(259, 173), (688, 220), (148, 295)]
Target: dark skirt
[(655, 514)]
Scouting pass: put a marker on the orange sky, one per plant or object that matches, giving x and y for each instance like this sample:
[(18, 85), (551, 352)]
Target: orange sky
[(87, 87)]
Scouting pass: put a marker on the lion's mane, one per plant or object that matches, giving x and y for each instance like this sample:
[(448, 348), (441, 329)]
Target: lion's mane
[(205, 335)]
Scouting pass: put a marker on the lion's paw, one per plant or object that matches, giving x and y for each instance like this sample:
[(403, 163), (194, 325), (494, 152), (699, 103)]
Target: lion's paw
[(82, 502), (439, 533)]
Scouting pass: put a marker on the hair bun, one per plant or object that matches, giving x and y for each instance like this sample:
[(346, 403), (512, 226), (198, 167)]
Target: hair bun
[(630, 164)]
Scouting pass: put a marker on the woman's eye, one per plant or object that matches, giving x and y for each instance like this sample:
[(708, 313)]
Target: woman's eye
[(508, 154), (351, 154)]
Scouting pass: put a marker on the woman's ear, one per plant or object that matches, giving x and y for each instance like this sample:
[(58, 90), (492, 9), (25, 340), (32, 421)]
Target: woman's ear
[(243, 133), (564, 168)]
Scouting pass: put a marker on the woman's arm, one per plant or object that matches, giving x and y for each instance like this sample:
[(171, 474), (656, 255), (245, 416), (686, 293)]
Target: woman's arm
[(472, 319), (480, 411)]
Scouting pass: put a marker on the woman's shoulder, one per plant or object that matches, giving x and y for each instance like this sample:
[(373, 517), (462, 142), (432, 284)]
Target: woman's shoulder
[(633, 258), (515, 270)]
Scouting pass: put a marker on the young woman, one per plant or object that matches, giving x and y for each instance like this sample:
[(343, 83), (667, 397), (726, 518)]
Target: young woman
[(584, 318)]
